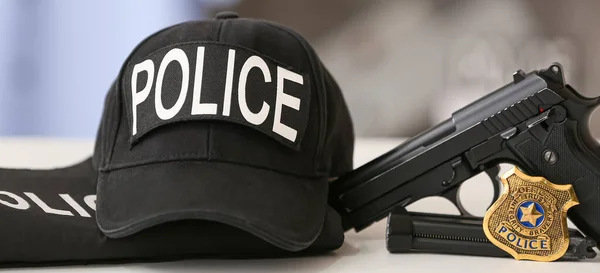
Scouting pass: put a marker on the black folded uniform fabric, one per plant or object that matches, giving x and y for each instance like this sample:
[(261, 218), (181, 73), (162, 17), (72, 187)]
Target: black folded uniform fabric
[(218, 138)]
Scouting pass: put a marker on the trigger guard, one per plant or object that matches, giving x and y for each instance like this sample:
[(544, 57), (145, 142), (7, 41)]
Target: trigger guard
[(453, 196), (494, 174)]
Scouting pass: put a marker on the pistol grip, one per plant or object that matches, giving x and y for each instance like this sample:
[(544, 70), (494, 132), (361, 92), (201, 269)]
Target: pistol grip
[(562, 158)]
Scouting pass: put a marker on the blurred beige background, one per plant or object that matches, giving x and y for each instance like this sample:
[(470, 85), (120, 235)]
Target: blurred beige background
[(405, 65)]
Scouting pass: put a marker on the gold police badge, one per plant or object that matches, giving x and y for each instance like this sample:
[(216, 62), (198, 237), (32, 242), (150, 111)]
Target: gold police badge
[(529, 219)]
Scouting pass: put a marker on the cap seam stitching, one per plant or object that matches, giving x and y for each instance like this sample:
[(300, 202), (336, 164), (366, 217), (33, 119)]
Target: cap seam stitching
[(219, 30), (208, 143), (117, 167), (120, 102), (208, 133)]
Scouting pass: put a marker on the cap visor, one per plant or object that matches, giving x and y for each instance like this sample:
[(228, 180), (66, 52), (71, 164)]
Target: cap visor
[(282, 209)]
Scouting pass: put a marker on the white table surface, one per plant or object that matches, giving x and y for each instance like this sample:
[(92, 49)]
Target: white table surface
[(361, 252)]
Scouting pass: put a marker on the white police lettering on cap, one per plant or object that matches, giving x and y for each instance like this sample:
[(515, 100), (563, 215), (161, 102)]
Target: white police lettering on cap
[(287, 100), (228, 82), (179, 58), (261, 116), (199, 108), (138, 97)]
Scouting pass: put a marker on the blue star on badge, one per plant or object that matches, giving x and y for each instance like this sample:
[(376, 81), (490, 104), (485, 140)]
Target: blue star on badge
[(530, 214)]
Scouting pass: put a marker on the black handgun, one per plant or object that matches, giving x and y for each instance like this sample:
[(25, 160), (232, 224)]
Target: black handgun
[(537, 122)]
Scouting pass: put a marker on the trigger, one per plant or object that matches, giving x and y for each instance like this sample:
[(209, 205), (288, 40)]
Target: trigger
[(494, 174), (452, 196)]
